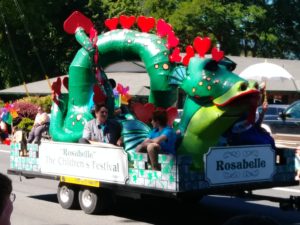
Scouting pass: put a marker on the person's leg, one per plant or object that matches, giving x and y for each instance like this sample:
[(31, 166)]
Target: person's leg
[(2, 136), (141, 148), (297, 177), (31, 135), (38, 133), (153, 150)]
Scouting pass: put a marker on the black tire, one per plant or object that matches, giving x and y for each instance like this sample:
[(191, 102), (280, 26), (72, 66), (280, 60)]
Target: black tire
[(286, 206), (95, 201), (67, 196), (191, 200)]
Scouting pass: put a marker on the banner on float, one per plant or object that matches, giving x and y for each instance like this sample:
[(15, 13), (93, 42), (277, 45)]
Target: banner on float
[(236, 164), (103, 162)]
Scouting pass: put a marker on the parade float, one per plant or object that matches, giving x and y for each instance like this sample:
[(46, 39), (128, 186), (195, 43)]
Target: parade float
[(215, 99)]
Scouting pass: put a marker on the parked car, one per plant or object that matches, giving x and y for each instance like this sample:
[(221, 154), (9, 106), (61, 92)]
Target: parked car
[(287, 121), (273, 111)]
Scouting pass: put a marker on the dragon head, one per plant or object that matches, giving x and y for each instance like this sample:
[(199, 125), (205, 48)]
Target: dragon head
[(216, 98), (210, 81)]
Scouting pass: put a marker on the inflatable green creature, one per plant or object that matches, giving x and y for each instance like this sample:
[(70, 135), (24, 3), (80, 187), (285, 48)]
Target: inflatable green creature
[(216, 97)]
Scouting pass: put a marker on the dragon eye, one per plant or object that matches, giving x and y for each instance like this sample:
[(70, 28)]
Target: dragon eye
[(243, 86), (211, 66)]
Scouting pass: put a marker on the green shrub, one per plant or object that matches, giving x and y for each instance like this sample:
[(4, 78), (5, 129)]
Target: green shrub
[(25, 110), (2, 103), (25, 124), (44, 101)]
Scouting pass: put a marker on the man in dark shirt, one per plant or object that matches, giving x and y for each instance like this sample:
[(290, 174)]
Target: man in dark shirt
[(101, 129)]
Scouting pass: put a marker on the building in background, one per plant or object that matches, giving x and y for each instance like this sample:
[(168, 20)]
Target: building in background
[(133, 74)]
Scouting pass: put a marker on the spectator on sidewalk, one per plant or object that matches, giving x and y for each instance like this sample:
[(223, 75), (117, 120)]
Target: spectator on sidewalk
[(6, 199), (297, 163), (41, 124), (4, 130)]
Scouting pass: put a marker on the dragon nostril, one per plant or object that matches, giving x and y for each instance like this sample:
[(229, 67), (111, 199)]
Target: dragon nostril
[(243, 86)]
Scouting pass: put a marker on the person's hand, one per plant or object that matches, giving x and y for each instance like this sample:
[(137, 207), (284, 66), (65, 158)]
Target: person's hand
[(298, 151), (178, 132), (120, 142), (265, 106), (117, 112)]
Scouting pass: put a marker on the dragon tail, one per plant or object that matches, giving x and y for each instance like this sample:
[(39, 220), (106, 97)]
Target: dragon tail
[(133, 133)]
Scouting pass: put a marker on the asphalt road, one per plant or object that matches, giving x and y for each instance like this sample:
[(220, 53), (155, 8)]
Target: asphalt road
[(36, 204), (287, 140)]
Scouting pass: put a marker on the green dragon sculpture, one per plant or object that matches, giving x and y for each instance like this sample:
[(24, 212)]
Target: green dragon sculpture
[(216, 97)]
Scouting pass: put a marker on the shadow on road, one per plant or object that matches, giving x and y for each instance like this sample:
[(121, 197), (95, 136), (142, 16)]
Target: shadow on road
[(48, 198), (212, 210), (165, 211)]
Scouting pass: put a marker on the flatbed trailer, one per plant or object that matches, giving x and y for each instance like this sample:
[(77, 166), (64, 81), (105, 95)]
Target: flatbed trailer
[(216, 98), (133, 177)]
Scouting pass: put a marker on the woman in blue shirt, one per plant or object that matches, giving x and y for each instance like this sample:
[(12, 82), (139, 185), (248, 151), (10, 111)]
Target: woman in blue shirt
[(161, 139)]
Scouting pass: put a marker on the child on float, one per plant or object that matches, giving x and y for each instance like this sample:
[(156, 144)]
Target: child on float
[(161, 139), (121, 110)]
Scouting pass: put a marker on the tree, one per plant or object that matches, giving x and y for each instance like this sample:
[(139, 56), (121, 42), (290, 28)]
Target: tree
[(112, 8), (223, 21), (36, 34), (33, 42), (260, 28), (284, 17)]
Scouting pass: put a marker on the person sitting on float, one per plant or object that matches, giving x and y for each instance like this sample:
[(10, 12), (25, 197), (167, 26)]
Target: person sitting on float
[(101, 129), (121, 107), (161, 139), (245, 133)]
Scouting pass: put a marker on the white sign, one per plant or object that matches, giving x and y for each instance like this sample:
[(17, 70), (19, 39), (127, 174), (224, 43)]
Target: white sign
[(105, 162), (229, 165)]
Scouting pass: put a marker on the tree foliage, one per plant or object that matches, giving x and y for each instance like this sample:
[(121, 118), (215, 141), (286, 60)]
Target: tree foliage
[(33, 43), (232, 24), (285, 20)]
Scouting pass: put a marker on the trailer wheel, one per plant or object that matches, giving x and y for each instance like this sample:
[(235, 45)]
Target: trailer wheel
[(67, 196), (95, 201), (191, 200), (286, 206)]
